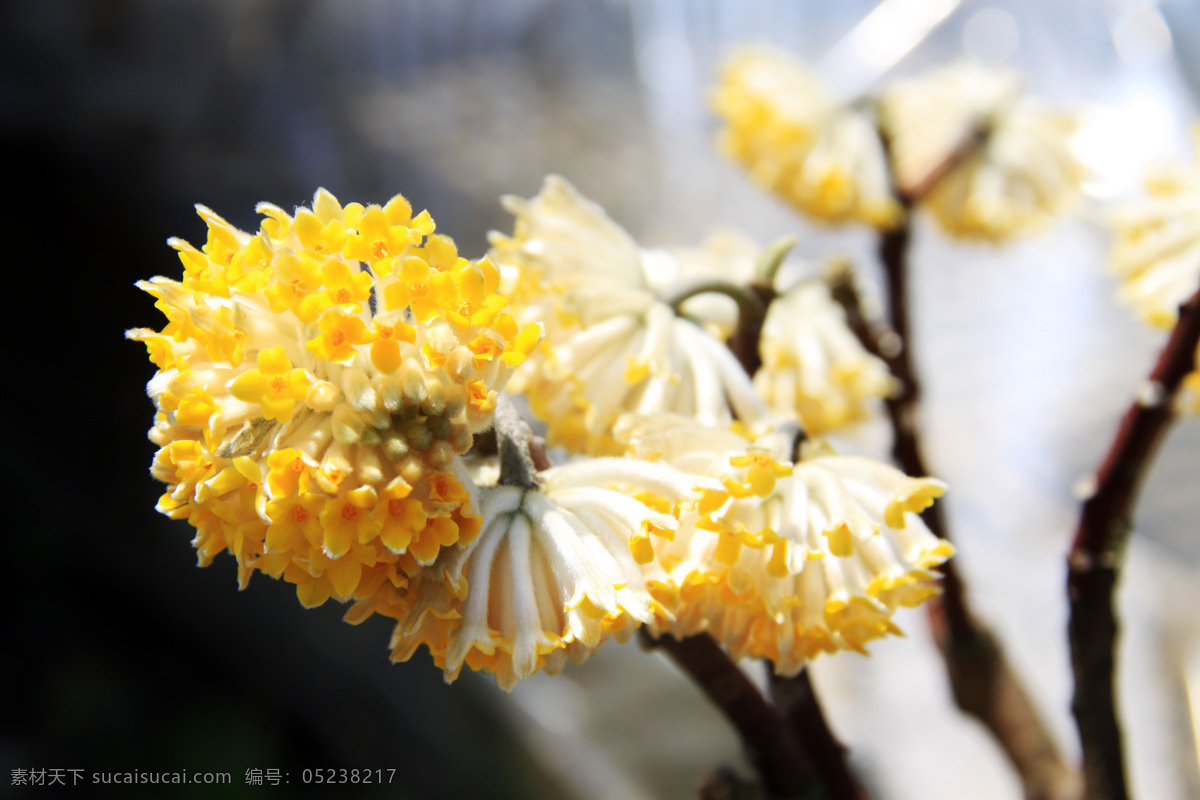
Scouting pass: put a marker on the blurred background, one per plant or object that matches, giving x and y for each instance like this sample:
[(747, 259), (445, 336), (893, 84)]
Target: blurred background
[(116, 116)]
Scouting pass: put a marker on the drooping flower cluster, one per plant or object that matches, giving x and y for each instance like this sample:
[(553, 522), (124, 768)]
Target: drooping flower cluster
[(316, 382), (789, 558), (995, 165), (796, 141), (987, 163), (612, 343), (813, 366), (1156, 254), (551, 576)]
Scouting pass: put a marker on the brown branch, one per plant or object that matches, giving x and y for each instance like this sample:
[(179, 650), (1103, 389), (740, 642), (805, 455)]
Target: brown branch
[(1094, 563), (774, 748), (744, 342), (795, 696), (983, 683)]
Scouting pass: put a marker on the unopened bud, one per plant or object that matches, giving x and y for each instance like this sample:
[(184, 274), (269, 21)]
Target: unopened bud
[(435, 396), (346, 423), (357, 387), (412, 384), (440, 455), (389, 391), (321, 396), (461, 439), (395, 446), (418, 435)]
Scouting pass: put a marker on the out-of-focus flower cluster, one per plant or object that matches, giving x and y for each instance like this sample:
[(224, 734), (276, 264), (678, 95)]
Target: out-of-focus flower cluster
[(987, 163), (797, 142), (1156, 254)]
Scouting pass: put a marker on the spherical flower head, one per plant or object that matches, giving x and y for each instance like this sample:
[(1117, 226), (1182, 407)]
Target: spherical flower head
[(788, 559), (1011, 168), (813, 367), (612, 344), (552, 574), (312, 404), (795, 141), (1156, 254)]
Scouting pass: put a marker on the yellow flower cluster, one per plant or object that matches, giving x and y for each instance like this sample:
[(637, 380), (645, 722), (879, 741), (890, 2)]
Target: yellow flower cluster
[(795, 141), (786, 559), (813, 366), (316, 382), (1156, 254), (1011, 168)]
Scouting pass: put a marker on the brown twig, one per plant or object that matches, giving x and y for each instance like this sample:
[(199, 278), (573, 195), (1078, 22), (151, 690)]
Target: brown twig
[(1094, 563), (981, 679), (795, 696), (774, 748), (744, 342)]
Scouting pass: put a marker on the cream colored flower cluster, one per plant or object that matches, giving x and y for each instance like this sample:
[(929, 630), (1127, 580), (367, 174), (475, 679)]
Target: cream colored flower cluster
[(794, 554), (1156, 254), (321, 381), (962, 142), (613, 343), (797, 142)]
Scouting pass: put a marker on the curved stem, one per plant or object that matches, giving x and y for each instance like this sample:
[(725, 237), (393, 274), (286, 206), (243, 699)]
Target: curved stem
[(798, 700), (748, 302), (771, 259), (1095, 560), (513, 439)]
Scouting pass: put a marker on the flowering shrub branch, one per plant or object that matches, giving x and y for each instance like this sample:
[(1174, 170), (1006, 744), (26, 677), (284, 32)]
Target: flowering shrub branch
[(331, 410), (983, 683), (1094, 564)]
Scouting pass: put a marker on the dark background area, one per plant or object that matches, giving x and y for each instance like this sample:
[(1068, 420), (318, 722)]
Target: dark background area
[(115, 117)]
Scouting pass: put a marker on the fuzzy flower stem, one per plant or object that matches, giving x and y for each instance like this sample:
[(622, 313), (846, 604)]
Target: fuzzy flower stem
[(745, 339), (1095, 560), (772, 259), (748, 302), (981, 679), (774, 748), (513, 437), (796, 697)]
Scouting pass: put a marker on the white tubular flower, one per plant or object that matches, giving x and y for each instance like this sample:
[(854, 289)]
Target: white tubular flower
[(1156, 254), (726, 254), (813, 366), (551, 576), (1023, 178), (788, 560), (1020, 177), (826, 159), (612, 344), (929, 117)]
